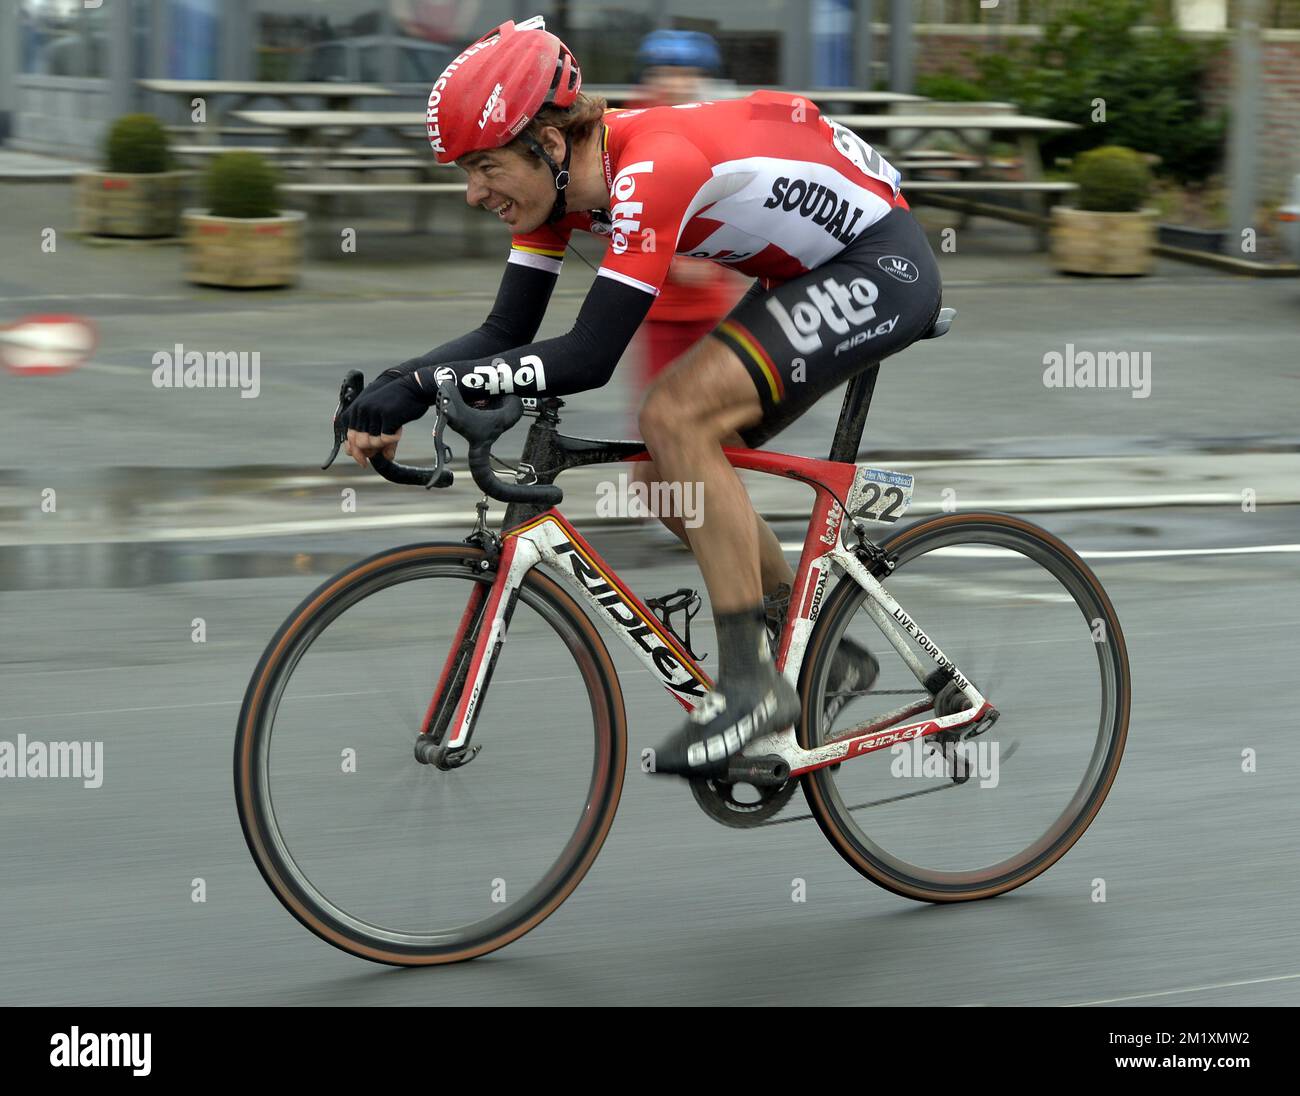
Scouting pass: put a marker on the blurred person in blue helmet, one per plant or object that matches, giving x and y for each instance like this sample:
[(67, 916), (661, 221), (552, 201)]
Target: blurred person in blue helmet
[(675, 64), (675, 67)]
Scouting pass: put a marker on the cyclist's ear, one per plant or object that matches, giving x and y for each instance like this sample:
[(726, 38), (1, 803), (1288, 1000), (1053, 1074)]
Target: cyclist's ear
[(551, 138)]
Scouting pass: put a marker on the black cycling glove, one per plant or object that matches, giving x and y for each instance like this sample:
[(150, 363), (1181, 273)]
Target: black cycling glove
[(388, 403)]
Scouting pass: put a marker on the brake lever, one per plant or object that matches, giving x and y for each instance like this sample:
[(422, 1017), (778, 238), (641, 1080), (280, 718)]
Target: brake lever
[(441, 453), (349, 390)]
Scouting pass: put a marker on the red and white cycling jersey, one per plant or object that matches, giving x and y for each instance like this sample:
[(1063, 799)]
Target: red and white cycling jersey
[(764, 184)]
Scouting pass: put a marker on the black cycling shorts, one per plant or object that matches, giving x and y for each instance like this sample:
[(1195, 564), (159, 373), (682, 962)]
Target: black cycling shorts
[(809, 335)]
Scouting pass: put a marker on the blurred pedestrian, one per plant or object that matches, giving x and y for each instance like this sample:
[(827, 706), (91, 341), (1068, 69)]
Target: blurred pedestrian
[(675, 67)]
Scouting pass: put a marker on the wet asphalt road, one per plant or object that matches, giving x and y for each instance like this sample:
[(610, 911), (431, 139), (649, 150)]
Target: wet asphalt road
[(1198, 858)]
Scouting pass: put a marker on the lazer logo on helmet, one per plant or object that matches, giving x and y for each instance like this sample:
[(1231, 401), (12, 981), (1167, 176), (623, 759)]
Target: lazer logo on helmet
[(487, 107), (499, 378), (818, 202), (837, 306), (625, 214)]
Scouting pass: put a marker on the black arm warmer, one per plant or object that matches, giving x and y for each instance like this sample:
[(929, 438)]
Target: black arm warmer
[(516, 315), (583, 358)]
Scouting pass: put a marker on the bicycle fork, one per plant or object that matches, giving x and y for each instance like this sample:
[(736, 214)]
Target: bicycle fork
[(444, 739)]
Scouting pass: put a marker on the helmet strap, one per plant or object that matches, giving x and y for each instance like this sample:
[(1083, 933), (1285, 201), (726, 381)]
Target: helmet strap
[(559, 172)]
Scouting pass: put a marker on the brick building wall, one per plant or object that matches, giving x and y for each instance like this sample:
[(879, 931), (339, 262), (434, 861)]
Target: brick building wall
[(948, 49), (1279, 112)]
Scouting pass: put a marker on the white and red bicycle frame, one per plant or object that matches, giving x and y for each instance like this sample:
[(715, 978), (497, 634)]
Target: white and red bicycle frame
[(550, 541)]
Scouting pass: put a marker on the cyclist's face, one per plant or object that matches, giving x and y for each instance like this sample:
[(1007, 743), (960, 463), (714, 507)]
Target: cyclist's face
[(516, 187), (672, 84)]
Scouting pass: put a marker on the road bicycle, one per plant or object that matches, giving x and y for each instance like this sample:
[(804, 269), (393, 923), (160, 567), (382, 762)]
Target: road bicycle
[(413, 801)]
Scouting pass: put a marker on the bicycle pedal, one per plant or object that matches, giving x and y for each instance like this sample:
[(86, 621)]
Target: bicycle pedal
[(683, 600)]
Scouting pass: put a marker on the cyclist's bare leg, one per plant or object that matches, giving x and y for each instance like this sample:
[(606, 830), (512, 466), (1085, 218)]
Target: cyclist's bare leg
[(706, 397), (773, 568)]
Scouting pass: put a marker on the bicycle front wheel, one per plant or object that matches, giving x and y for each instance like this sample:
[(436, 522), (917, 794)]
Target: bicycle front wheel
[(401, 862), (1023, 617)]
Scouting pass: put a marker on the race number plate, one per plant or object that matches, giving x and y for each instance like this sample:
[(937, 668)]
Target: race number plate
[(878, 495)]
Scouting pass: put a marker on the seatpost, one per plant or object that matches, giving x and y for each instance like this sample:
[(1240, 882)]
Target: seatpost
[(853, 415)]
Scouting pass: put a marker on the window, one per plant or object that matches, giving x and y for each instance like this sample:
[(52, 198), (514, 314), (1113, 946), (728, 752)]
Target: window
[(63, 38), (318, 39), (193, 37), (749, 35), (430, 33)]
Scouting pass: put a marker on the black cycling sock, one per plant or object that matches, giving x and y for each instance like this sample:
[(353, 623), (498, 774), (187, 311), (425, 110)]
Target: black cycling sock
[(744, 656)]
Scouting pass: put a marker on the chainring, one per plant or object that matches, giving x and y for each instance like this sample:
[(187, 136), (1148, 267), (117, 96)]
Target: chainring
[(717, 798)]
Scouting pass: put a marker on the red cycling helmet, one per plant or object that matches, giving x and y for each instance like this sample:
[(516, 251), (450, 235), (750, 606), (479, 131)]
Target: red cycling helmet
[(491, 91), (488, 94)]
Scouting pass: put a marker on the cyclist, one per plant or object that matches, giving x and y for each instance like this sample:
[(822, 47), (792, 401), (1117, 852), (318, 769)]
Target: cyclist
[(764, 185), (696, 294)]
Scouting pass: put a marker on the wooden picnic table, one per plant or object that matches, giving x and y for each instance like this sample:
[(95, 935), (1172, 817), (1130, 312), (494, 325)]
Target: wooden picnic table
[(319, 133), (333, 123), (337, 96), (621, 93), (974, 131)]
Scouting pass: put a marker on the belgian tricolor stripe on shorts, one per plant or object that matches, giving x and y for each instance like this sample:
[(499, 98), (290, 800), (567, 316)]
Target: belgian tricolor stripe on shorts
[(755, 357), (533, 250)]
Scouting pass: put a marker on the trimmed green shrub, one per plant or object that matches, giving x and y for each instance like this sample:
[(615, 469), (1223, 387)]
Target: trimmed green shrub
[(1096, 57), (949, 87), (137, 145), (1112, 179), (242, 184)]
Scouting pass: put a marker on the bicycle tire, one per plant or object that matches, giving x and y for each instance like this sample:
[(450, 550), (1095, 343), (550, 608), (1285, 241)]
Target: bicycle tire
[(276, 665), (844, 601)]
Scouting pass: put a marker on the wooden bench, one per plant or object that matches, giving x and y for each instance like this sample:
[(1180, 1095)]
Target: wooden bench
[(373, 188), (232, 131), (359, 152), (907, 165), (279, 156), (217, 150), (1048, 193)]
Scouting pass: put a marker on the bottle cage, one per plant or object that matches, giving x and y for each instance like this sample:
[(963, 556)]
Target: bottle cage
[(685, 601)]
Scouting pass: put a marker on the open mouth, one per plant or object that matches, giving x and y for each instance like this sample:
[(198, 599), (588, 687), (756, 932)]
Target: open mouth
[(504, 211)]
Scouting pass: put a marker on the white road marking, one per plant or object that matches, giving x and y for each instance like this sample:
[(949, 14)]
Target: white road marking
[(95, 297), (436, 521), (1101, 553), (1188, 989), (220, 703), (156, 708), (117, 370)]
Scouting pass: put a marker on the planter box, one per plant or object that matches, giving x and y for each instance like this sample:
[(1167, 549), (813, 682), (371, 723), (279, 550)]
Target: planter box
[(243, 252), (138, 206), (1084, 242)]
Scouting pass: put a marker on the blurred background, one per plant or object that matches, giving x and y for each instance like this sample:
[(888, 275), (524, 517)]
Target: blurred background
[(280, 202)]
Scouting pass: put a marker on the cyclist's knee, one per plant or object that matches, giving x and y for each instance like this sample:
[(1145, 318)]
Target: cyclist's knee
[(664, 418)]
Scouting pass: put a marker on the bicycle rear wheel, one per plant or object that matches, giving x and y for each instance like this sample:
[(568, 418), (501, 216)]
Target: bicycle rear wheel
[(1025, 619), (403, 863)]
